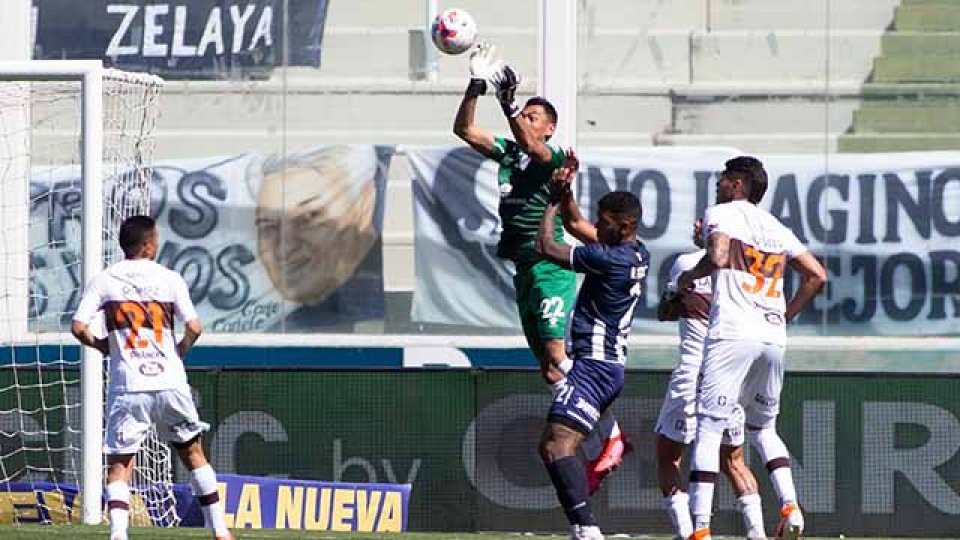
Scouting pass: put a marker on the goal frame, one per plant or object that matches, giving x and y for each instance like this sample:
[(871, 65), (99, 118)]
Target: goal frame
[(90, 75)]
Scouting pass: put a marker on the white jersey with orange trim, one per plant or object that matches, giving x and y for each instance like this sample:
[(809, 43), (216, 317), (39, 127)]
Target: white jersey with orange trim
[(139, 299), (695, 303), (748, 300)]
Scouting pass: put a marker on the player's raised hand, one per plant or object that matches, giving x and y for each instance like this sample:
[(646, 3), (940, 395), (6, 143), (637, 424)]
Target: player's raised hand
[(563, 176), (484, 62), (506, 80)]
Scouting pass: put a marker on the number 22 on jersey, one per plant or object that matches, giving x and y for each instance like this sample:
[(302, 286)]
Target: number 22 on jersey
[(764, 266)]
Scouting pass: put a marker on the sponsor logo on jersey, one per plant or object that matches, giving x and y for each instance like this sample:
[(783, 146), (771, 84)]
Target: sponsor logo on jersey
[(151, 369), (773, 318), (766, 401), (587, 408)]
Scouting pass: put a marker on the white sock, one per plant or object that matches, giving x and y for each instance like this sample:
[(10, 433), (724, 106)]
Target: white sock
[(706, 460), (678, 508), (565, 365), (118, 502), (614, 430), (749, 506), (701, 503), (782, 480), (203, 480)]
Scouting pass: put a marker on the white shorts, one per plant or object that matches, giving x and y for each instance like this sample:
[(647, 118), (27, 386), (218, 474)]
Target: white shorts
[(741, 371), (131, 415), (678, 414)]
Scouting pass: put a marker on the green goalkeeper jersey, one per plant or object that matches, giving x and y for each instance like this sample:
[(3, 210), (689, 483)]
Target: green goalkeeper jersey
[(524, 192)]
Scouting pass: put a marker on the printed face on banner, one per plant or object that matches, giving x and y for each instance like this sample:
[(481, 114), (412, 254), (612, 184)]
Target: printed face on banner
[(266, 243), (315, 220)]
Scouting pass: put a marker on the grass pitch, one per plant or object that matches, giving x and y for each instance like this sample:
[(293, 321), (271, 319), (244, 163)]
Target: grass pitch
[(84, 532)]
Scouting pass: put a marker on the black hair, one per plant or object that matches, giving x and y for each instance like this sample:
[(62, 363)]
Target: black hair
[(134, 231), (754, 176), (547, 106), (621, 203)]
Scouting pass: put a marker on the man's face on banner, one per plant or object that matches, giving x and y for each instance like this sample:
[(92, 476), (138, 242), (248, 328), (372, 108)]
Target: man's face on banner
[(315, 223)]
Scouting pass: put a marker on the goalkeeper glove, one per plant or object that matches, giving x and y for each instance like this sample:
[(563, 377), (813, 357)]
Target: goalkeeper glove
[(506, 81), (483, 64)]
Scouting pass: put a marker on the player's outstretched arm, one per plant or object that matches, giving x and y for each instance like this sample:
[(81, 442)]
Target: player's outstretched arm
[(573, 220), (812, 279), (190, 335), (546, 245), (82, 332), (717, 256), (506, 81), (669, 307), (483, 64)]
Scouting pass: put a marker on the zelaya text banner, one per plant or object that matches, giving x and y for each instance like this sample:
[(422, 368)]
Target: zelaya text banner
[(886, 226)]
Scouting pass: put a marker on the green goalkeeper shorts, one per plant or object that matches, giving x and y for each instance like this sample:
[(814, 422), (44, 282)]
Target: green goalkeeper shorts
[(545, 296)]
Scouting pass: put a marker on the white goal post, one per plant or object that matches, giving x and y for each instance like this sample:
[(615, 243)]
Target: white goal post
[(15, 247)]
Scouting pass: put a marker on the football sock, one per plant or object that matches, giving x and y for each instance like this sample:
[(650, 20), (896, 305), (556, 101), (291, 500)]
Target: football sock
[(777, 459), (749, 506), (782, 480), (704, 469), (203, 480), (118, 503), (678, 508), (570, 480)]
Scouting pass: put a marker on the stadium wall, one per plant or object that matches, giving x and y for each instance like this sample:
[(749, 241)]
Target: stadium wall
[(871, 450), (874, 453)]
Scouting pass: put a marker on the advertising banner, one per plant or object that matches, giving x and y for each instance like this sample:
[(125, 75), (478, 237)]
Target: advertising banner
[(872, 454), (182, 38), (254, 502), (266, 243), (885, 224)]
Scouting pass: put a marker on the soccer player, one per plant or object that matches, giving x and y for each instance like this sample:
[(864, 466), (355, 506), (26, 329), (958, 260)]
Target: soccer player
[(677, 422), (148, 383), (747, 253), (615, 263), (545, 289)]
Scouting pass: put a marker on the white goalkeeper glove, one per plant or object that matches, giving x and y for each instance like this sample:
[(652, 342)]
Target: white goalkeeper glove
[(506, 80), (483, 65)]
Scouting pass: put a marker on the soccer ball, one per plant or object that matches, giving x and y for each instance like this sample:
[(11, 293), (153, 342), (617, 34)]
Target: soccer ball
[(453, 31)]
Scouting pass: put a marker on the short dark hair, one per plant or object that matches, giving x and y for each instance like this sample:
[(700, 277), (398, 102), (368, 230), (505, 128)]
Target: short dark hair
[(134, 231), (547, 106), (621, 203), (751, 171)]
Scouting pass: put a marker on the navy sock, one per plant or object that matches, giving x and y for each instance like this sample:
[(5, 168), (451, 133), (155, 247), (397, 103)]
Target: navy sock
[(594, 442), (570, 480)]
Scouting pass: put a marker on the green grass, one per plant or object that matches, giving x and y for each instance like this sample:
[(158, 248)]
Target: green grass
[(82, 532)]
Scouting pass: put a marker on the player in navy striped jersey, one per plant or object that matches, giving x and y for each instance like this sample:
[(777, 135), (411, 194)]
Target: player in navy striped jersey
[(615, 263)]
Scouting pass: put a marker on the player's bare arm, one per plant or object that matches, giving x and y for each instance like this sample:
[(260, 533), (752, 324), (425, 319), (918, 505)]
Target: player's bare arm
[(717, 256), (523, 121), (82, 332), (573, 219), (483, 63), (812, 279), (669, 307), (190, 335), (523, 131), (546, 245)]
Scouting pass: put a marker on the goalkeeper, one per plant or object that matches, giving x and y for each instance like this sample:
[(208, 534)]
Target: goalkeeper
[(545, 291)]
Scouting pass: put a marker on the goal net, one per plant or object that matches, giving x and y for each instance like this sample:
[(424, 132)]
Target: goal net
[(50, 136)]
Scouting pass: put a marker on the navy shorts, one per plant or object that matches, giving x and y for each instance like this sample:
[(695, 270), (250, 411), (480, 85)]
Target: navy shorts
[(591, 387)]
